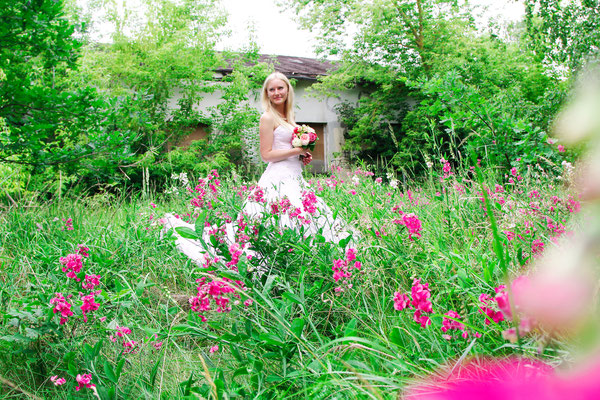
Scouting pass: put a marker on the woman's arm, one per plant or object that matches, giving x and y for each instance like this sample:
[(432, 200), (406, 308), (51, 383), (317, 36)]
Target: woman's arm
[(266, 128)]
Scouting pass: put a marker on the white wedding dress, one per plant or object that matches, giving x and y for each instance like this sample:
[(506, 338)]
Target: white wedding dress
[(281, 185)]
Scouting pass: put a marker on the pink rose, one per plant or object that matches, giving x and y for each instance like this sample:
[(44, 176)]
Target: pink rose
[(305, 139)]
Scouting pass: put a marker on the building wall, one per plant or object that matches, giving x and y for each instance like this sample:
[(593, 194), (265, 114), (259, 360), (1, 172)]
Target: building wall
[(310, 108)]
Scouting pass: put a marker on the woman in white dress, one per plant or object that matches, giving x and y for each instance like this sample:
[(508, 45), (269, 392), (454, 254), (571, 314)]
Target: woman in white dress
[(281, 187)]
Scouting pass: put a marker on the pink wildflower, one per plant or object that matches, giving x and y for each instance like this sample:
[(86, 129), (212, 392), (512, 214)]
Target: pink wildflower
[(91, 281), (89, 304), (401, 301), (561, 148), (122, 330), (72, 265), (413, 224), (84, 380), (68, 224), (57, 381), (449, 324), (61, 306), (537, 247), (214, 349), (83, 250)]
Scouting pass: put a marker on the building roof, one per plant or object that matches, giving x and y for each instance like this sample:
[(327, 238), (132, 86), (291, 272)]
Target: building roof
[(293, 67)]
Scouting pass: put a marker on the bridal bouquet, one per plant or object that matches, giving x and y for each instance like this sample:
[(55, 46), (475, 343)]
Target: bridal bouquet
[(304, 136)]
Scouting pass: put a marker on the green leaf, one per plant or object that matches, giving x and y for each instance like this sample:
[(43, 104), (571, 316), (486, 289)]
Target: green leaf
[(298, 326), (186, 232), (109, 372)]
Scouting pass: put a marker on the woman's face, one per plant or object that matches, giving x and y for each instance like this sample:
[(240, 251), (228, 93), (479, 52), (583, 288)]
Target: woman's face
[(277, 91)]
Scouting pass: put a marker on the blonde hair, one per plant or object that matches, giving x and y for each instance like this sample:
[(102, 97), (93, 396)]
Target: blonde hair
[(288, 107)]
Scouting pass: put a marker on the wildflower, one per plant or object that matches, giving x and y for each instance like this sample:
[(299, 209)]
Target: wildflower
[(89, 304), (309, 201), (341, 269), (129, 346), (72, 265), (68, 224), (61, 306), (214, 349), (152, 205), (122, 330), (83, 250), (449, 324), (91, 281), (561, 148), (413, 224), (84, 380), (537, 247), (57, 381), (401, 301)]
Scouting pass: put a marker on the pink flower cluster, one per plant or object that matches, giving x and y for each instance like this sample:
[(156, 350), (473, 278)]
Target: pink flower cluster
[(450, 322), (72, 265), (503, 303), (490, 313), (309, 201), (410, 221), (206, 191), (446, 168), (68, 224), (89, 304), (57, 381), (84, 380), (215, 291), (341, 270), (420, 301), (62, 307)]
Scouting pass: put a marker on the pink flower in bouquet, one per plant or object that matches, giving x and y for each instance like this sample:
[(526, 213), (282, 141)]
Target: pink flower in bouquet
[(304, 139), (312, 136)]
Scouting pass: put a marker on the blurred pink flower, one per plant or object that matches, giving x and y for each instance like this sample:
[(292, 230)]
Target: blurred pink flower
[(509, 379), (84, 380), (57, 381)]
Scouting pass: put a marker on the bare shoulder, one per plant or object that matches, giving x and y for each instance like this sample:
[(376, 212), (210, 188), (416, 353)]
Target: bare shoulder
[(267, 118)]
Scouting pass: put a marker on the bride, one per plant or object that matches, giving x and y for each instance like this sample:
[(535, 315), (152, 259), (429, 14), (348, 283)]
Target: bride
[(281, 188)]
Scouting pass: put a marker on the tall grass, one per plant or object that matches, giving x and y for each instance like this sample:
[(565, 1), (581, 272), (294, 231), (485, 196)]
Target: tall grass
[(299, 338)]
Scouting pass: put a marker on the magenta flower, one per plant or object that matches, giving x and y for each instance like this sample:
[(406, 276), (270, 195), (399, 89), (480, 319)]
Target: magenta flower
[(413, 224), (89, 304), (62, 307), (122, 330), (401, 301), (83, 250), (84, 380), (91, 281), (72, 265), (57, 381), (214, 349)]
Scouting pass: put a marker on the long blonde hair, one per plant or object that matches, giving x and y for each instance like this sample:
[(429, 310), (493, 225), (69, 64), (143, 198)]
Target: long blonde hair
[(288, 107)]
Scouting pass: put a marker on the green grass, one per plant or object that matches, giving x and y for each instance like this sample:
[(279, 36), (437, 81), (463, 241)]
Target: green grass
[(299, 339)]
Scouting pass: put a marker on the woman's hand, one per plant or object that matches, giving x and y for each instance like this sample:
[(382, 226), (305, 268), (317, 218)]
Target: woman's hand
[(307, 158)]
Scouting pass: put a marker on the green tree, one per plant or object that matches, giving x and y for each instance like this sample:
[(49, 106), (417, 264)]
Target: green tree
[(411, 57), (564, 34)]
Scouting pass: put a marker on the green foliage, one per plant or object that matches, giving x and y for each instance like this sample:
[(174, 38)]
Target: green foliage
[(50, 121), (433, 85), (565, 35), (299, 337)]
